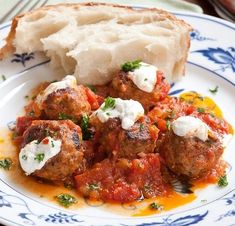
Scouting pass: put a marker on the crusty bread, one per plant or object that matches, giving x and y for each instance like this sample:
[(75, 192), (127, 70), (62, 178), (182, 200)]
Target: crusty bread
[(92, 40)]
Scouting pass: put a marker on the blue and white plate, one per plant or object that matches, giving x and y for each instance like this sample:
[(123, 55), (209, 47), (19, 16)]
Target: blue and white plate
[(211, 63)]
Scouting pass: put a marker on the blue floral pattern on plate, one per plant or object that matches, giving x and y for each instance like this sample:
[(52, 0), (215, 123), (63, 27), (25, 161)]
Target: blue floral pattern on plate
[(22, 58), (222, 57), (196, 35)]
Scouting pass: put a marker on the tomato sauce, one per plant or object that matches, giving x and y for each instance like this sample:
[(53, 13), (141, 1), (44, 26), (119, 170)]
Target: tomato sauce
[(47, 192)]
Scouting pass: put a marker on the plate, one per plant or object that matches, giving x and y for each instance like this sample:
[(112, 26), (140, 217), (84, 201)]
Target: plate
[(211, 63)]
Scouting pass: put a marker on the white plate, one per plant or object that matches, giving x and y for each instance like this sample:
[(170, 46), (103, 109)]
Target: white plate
[(211, 62)]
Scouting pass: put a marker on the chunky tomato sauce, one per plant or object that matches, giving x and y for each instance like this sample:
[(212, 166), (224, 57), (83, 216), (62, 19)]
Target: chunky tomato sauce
[(123, 166)]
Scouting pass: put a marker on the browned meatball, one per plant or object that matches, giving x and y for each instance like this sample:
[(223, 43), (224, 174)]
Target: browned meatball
[(123, 87), (69, 160), (112, 138), (190, 157), (68, 103)]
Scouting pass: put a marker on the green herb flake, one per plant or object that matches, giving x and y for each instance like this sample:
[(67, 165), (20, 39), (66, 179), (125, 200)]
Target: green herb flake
[(215, 90), (14, 135), (223, 182), (66, 200), (4, 78), (5, 163), (92, 88), (141, 126), (93, 187), (131, 65), (86, 134), (47, 132), (68, 186), (145, 79), (24, 157), (147, 188), (26, 97), (168, 124), (109, 103), (52, 143), (63, 116), (39, 157), (31, 113), (156, 206), (201, 110)]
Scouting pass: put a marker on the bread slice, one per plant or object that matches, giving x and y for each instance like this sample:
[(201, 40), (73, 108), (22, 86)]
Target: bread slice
[(92, 40)]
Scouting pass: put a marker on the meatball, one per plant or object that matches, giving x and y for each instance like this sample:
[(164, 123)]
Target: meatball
[(112, 138), (190, 157), (69, 160), (68, 103), (123, 87)]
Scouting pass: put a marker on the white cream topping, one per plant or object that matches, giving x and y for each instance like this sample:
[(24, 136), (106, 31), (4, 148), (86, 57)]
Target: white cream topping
[(144, 77), (188, 126), (34, 155), (68, 81), (128, 111)]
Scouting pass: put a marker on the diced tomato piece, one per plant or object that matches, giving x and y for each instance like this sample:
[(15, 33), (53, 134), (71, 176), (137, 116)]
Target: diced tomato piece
[(154, 132), (159, 77), (161, 124), (93, 99), (22, 123)]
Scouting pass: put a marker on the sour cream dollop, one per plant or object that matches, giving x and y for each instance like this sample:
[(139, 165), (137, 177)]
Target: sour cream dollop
[(68, 81), (144, 77), (128, 111), (188, 126), (34, 155)]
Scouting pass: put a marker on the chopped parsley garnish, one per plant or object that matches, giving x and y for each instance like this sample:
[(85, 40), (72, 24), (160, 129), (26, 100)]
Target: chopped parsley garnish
[(168, 124), (68, 186), (92, 88), (65, 200), (24, 157), (201, 110), (93, 186), (4, 78), (145, 79), (215, 90), (26, 97), (223, 182), (39, 157), (155, 206), (14, 135), (5, 163), (63, 116), (109, 102), (47, 132), (147, 188), (131, 65), (85, 127), (141, 126), (31, 113), (52, 143)]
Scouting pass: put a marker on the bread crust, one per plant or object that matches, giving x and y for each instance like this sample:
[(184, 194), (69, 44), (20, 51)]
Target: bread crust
[(9, 48)]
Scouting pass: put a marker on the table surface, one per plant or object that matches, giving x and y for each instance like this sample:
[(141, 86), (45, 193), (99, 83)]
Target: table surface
[(206, 6)]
